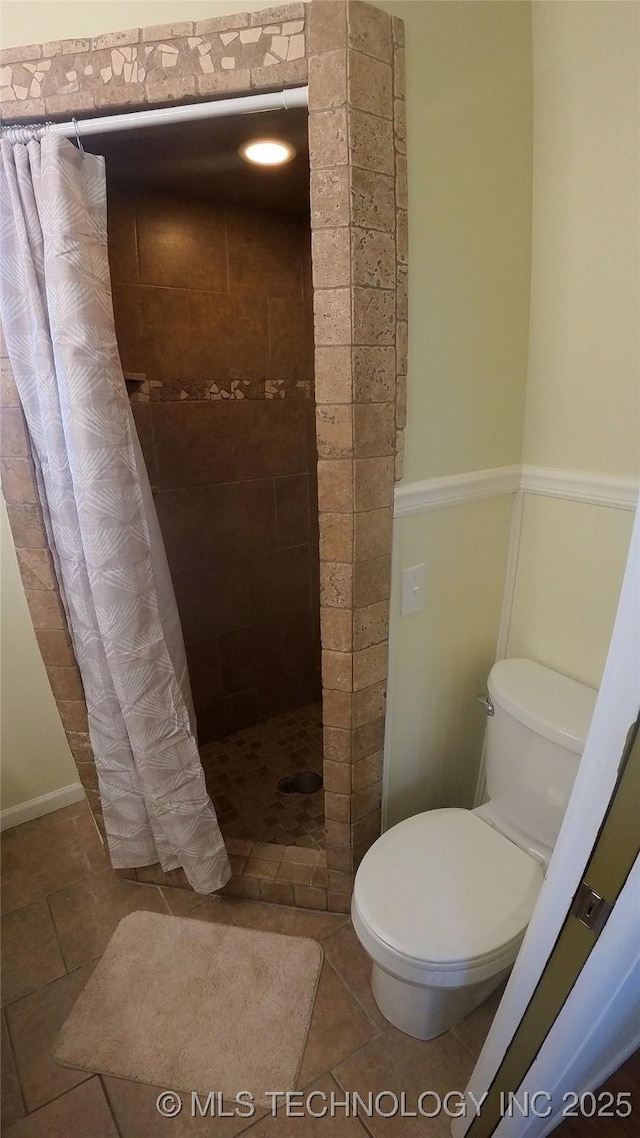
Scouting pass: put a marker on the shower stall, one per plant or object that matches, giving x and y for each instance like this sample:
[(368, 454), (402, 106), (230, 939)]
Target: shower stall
[(210, 264)]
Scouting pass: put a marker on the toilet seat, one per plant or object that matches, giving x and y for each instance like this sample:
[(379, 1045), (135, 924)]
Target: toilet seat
[(443, 898)]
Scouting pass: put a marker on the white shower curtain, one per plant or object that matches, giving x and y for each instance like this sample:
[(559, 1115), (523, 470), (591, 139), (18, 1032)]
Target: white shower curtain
[(57, 317)]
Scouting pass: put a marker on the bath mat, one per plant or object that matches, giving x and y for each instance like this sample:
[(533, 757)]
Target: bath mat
[(191, 1006)]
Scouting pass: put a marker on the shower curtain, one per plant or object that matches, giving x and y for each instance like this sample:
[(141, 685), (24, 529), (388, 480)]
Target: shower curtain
[(57, 317)]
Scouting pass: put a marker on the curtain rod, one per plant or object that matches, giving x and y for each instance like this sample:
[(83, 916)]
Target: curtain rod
[(131, 120)]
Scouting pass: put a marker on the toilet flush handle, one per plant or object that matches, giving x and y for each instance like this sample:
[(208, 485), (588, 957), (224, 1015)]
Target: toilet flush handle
[(485, 702)]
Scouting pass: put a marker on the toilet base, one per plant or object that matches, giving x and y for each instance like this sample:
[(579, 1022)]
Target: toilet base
[(425, 1012)]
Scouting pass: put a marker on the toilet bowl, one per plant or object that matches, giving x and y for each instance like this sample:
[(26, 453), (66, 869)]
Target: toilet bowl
[(442, 901)]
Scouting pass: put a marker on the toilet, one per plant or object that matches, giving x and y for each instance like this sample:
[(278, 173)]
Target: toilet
[(442, 900)]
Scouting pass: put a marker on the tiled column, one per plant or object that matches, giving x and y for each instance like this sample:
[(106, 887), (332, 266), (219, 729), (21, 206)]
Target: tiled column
[(40, 585), (353, 218)]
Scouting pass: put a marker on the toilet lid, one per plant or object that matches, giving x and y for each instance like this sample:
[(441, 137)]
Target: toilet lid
[(446, 888)]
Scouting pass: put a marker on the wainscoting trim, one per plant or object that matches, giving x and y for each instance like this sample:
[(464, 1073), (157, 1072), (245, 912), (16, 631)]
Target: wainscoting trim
[(575, 486), (44, 804), (454, 489), (572, 485)]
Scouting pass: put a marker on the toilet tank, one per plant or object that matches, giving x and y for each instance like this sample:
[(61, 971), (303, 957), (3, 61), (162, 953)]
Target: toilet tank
[(534, 743)]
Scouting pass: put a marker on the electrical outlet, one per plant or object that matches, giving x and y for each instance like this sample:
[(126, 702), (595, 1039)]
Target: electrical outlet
[(413, 589)]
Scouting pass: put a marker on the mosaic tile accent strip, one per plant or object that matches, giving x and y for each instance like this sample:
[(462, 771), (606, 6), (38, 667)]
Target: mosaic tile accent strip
[(165, 62), (171, 391)]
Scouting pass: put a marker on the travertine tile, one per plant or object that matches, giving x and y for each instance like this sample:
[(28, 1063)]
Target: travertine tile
[(370, 625), (86, 914), (367, 771), (27, 527), (337, 807), (373, 374), (373, 483), (373, 429), (330, 197), (337, 670), (370, 666), (135, 1111), (374, 316), (370, 30), (372, 533), (73, 713), (402, 236), (373, 258), (366, 831), (46, 610), (334, 430), (30, 953), (399, 73), (345, 953), (333, 374), (371, 581), (279, 919), (335, 485), (336, 538), (337, 777), (396, 1062), (370, 85), (336, 628), (400, 125), (332, 316), (303, 1124), (328, 79), (473, 1030), (369, 704), (18, 481), (65, 681), (42, 856), (76, 1114), (337, 710), (328, 138), (370, 142), (372, 200), (365, 801), (336, 585), (331, 258), (310, 897), (55, 649), (402, 188), (34, 1023), (402, 292), (368, 737), (327, 26), (11, 1105), (401, 402), (36, 568), (338, 1026)]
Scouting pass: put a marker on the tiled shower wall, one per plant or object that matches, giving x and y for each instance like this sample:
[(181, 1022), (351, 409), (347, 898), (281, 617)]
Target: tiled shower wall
[(213, 309)]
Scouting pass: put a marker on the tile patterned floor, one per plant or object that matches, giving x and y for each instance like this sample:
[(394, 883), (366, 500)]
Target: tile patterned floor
[(242, 773), (61, 903)]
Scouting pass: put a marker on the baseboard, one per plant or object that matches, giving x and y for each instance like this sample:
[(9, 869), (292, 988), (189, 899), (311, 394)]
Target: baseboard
[(45, 804)]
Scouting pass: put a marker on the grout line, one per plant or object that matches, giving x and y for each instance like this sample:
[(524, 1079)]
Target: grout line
[(14, 1061), (109, 1103)]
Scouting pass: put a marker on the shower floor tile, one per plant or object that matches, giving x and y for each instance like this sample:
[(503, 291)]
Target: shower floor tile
[(242, 771)]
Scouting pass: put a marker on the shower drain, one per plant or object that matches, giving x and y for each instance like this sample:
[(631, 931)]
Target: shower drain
[(305, 782)]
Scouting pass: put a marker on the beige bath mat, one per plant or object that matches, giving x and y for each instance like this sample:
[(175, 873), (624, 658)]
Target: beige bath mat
[(192, 1006)]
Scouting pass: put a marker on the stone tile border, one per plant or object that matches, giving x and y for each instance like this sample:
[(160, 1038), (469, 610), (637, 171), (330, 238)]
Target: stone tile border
[(352, 56)]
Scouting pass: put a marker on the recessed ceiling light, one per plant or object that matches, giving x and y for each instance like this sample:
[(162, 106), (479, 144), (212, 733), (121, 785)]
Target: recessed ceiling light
[(267, 151)]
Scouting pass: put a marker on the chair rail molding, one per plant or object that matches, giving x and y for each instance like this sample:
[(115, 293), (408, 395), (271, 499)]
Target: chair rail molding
[(454, 489), (475, 485), (579, 486)]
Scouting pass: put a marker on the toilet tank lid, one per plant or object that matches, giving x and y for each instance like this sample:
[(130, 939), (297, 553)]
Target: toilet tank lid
[(553, 705)]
